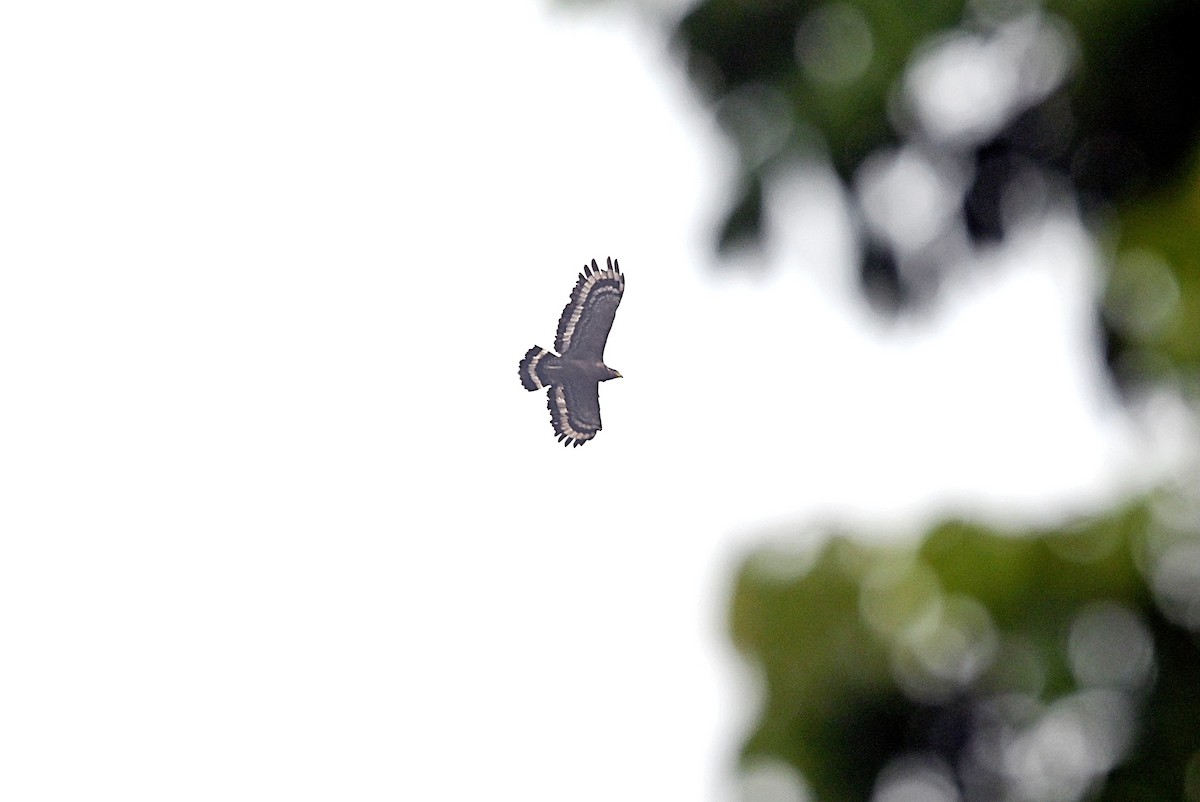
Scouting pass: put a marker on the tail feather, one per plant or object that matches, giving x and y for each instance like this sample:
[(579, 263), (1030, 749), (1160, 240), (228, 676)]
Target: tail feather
[(533, 367)]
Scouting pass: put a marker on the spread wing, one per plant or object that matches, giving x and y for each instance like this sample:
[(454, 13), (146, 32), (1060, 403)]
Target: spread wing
[(584, 325), (575, 411)]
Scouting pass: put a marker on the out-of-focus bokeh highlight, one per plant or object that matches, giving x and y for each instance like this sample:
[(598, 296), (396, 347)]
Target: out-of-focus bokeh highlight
[(951, 124), (1061, 663), (982, 665)]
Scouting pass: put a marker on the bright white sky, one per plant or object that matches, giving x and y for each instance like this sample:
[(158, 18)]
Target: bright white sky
[(277, 520)]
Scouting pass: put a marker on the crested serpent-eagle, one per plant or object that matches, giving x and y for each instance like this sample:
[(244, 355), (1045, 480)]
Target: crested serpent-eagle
[(574, 377)]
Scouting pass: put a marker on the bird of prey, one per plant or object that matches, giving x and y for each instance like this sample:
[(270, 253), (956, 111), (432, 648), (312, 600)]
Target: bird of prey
[(574, 377)]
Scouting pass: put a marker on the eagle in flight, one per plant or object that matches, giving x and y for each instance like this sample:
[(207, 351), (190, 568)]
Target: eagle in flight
[(574, 378)]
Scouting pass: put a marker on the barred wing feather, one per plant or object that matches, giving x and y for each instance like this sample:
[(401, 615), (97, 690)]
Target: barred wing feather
[(586, 320), (575, 411)]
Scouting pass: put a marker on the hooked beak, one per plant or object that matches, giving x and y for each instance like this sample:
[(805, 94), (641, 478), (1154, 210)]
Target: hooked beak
[(619, 376)]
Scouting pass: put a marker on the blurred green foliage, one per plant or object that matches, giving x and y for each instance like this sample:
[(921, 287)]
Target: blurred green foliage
[(967, 649), (1059, 664), (792, 79), (731, 45), (1152, 304)]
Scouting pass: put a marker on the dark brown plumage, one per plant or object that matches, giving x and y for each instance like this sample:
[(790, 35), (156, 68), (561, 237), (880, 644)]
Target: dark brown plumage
[(574, 377)]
